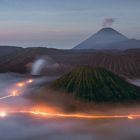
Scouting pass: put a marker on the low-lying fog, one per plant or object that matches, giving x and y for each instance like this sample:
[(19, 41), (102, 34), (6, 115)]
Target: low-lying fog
[(28, 127)]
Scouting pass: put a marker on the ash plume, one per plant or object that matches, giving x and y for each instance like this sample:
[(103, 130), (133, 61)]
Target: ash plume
[(108, 22)]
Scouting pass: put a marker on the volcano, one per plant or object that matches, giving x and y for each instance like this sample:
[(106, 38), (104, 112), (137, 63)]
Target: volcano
[(97, 85), (108, 38)]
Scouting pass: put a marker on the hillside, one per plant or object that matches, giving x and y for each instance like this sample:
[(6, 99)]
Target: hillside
[(108, 38), (5, 50), (102, 39), (125, 63), (127, 44), (96, 84)]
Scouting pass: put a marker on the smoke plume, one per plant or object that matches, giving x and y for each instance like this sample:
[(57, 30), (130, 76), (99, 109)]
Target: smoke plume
[(43, 63), (108, 22)]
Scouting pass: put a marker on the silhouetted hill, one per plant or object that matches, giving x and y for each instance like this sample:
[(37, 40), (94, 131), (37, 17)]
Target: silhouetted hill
[(96, 84), (125, 63), (5, 50)]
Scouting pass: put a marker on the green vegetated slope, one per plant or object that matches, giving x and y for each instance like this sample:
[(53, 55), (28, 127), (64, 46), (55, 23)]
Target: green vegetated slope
[(96, 84)]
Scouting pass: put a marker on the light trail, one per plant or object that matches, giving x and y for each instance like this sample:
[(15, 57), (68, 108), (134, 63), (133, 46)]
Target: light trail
[(63, 115), (37, 113), (18, 87), (13, 94), (4, 97), (82, 116), (29, 81), (20, 84)]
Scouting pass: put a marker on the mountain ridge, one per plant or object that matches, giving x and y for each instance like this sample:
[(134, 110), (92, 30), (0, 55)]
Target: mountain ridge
[(108, 38)]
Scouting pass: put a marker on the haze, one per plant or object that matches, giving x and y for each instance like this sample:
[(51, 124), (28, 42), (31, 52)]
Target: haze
[(64, 23)]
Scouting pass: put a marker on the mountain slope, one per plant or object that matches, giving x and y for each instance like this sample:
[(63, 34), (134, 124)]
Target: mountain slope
[(127, 44), (124, 63), (96, 84), (102, 39)]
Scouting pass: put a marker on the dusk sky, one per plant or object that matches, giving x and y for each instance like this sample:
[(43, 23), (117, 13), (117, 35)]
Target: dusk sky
[(64, 23)]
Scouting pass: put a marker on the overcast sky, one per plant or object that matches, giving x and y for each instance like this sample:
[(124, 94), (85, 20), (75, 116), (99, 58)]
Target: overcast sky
[(64, 23)]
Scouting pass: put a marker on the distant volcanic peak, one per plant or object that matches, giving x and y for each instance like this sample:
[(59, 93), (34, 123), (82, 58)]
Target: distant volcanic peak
[(101, 39), (111, 31), (96, 84), (107, 29), (108, 35)]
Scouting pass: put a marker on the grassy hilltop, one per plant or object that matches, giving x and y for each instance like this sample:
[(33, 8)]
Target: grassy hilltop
[(96, 84)]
